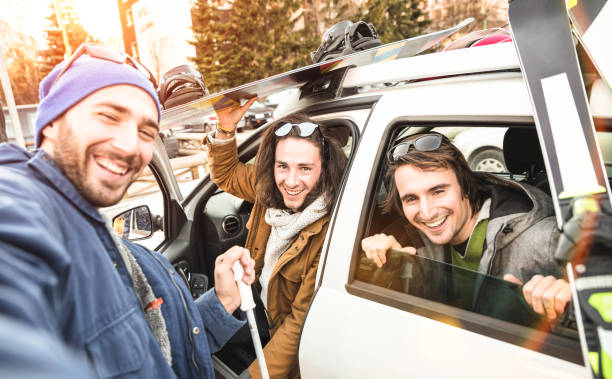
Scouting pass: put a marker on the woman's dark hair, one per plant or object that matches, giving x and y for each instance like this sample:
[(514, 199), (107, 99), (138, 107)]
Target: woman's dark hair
[(447, 156), (333, 162)]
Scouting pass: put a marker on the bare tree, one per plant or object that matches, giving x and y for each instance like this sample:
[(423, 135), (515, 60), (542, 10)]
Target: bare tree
[(156, 47), (3, 137), (20, 52)]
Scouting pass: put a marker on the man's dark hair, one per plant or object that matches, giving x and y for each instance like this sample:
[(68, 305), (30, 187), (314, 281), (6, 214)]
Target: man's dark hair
[(333, 162), (447, 156)]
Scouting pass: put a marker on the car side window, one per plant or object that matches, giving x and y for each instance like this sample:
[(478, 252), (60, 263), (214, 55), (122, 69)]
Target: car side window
[(460, 295)]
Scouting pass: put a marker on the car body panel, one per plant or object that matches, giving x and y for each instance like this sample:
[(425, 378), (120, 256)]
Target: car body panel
[(364, 339)]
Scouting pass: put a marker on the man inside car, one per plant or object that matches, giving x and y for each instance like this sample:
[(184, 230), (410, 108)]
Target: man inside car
[(63, 271), (293, 185), (473, 220)]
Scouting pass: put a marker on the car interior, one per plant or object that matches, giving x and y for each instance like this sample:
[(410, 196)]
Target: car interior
[(523, 157)]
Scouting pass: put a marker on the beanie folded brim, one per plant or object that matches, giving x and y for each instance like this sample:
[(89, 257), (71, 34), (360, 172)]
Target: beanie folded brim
[(85, 76)]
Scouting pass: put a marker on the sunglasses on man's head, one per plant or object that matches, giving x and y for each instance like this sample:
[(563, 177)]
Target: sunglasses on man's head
[(425, 142), (106, 53), (305, 129)]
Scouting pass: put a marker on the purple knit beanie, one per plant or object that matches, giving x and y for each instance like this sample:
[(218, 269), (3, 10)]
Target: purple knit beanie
[(85, 76)]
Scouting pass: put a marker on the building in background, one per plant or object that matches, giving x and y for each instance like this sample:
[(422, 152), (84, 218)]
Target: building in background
[(157, 32), (127, 27)]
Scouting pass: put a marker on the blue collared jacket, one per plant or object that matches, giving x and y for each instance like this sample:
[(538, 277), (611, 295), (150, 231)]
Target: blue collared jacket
[(61, 273)]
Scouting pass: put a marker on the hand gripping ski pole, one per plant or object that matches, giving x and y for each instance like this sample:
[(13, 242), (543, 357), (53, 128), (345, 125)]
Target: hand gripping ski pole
[(246, 305)]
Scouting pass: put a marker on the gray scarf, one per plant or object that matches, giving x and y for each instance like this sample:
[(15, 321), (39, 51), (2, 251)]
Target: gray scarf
[(285, 225), (145, 295)]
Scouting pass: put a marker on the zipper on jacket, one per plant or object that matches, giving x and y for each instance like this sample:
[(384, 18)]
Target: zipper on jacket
[(490, 266)]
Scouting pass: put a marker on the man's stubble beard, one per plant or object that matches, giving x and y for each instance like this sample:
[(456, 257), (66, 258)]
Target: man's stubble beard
[(75, 168)]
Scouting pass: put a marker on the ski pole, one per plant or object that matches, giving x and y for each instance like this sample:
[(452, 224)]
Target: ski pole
[(246, 305)]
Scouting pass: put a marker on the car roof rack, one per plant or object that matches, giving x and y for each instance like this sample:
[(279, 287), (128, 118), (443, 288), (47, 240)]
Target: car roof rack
[(327, 87)]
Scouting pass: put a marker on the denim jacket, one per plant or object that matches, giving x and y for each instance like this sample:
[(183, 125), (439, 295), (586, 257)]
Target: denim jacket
[(61, 273)]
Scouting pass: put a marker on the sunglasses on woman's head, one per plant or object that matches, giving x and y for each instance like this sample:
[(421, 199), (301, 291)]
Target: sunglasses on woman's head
[(425, 142)]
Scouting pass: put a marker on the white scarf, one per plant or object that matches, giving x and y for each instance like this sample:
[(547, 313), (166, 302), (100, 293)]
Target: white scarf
[(285, 226)]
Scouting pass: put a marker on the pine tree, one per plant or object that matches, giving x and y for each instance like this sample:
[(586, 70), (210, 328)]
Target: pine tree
[(209, 28), (55, 52), (254, 40), (395, 20)]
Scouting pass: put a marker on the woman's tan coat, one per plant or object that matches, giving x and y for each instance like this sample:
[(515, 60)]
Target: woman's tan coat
[(292, 281)]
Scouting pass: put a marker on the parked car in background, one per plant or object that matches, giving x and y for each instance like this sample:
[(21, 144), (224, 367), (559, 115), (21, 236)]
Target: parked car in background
[(483, 149), (263, 110), (171, 143), (209, 124), (256, 116)]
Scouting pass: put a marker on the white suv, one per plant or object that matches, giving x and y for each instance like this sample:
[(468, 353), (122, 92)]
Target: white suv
[(369, 323)]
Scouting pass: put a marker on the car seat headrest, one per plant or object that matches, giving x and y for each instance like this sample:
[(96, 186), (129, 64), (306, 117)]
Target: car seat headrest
[(522, 152)]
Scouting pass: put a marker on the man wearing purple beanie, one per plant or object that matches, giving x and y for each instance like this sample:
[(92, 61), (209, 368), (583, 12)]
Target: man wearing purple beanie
[(63, 272)]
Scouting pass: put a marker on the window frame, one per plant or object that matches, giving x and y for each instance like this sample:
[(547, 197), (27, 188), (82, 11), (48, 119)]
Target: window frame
[(523, 336)]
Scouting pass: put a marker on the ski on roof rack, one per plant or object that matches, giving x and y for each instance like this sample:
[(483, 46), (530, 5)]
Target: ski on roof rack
[(298, 77)]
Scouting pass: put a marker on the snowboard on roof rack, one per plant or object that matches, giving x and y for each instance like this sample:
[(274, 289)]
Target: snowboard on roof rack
[(298, 77)]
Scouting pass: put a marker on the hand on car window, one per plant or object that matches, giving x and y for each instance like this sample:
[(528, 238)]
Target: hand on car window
[(376, 247), (547, 295)]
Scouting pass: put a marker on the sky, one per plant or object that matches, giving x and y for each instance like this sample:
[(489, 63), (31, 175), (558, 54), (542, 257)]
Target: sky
[(99, 17)]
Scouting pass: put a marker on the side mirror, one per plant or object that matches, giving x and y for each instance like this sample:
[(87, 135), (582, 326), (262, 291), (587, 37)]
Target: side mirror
[(136, 224)]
